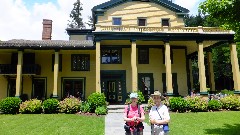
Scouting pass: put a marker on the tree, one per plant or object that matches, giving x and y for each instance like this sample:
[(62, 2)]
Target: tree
[(200, 20), (75, 15), (90, 22), (226, 12)]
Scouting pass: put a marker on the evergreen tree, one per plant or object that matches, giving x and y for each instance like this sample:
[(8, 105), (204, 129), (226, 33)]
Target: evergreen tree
[(76, 16), (90, 22)]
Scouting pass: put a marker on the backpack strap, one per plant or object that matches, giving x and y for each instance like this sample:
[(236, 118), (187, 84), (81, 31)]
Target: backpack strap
[(139, 113), (128, 110)]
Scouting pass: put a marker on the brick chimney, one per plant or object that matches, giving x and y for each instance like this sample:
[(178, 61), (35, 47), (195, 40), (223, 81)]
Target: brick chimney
[(47, 29)]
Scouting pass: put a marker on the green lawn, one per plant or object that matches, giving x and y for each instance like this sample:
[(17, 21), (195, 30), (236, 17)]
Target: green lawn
[(51, 124), (214, 123)]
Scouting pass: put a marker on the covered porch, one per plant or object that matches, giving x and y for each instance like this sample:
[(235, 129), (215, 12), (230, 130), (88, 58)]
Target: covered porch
[(193, 41)]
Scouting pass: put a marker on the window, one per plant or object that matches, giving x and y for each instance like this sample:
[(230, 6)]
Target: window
[(111, 56), (117, 21), (59, 62), (89, 37), (143, 56), (165, 22), (80, 62), (142, 22), (171, 56)]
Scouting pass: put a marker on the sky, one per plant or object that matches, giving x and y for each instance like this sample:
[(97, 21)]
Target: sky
[(22, 19)]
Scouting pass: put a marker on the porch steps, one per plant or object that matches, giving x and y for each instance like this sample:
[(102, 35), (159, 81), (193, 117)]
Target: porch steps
[(118, 108), (115, 108)]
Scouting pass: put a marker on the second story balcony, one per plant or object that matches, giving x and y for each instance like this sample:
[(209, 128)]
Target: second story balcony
[(164, 29), (9, 69)]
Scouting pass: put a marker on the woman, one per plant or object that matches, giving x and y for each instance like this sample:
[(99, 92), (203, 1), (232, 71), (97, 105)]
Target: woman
[(159, 116), (134, 116)]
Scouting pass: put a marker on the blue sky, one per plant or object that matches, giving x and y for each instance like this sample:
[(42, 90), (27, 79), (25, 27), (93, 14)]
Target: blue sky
[(22, 19)]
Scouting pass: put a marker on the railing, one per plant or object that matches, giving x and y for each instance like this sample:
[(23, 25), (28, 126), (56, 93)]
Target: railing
[(26, 69), (165, 29)]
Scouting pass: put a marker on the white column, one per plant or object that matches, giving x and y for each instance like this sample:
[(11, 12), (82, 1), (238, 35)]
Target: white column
[(98, 67), (56, 72), (201, 67), (134, 67), (168, 65), (235, 66), (19, 74), (211, 71)]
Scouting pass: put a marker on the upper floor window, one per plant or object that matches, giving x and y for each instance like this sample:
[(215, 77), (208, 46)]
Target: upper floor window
[(89, 37), (142, 22), (117, 21), (111, 56), (165, 22), (59, 62), (143, 55), (80, 62)]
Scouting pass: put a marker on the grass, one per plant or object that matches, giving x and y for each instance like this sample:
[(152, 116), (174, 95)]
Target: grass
[(214, 123), (51, 124)]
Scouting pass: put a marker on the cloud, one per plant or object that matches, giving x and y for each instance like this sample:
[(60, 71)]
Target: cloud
[(191, 5), (22, 21)]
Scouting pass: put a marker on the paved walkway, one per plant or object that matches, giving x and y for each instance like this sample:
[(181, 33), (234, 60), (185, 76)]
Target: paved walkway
[(114, 125)]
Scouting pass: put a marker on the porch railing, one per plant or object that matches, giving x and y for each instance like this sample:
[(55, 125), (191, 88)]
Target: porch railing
[(26, 69), (165, 29)]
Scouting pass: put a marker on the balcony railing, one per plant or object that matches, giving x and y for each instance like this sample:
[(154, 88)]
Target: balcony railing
[(9, 69), (129, 28)]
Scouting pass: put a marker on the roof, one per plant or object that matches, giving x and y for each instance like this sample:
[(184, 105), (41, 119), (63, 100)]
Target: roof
[(166, 3), (47, 44)]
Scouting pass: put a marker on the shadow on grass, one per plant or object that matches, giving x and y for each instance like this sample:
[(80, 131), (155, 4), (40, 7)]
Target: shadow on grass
[(225, 130)]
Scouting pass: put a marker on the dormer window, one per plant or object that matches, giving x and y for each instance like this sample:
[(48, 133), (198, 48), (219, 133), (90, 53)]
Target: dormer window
[(117, 21), (165, 22), (142, 21)]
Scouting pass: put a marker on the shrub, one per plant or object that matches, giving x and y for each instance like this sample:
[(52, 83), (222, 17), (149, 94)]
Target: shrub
[(166, 102), (85, 107), (214, 105), (141, 98), (96, 100), (50, 106), (230, 102), (228, 92), (70, 105), (10, 105), (196, 104), (32, 106), (101, 110), (177, 104), (150, 103)]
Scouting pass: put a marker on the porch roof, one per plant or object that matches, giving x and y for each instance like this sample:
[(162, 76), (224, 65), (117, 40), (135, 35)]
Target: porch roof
[(47, 44)]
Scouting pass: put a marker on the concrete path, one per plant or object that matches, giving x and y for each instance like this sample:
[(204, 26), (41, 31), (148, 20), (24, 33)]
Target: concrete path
[(114, 125)]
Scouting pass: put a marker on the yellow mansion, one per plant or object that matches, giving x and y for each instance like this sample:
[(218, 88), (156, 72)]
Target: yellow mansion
[(135, 45)]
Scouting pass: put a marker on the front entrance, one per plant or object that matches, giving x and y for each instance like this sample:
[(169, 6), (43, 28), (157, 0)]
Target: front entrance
[(39, 88), (113, 85), (174, 83), (146, 84), (73, 87)]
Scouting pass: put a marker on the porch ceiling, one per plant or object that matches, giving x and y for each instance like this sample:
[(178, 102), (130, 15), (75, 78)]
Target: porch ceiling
[(190, 45)]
